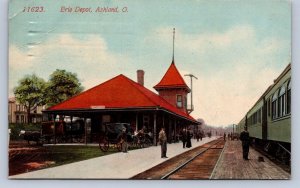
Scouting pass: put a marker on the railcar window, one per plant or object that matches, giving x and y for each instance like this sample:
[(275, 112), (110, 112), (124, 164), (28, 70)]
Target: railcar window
[(281, 101), (274, 105), (288, 109), (259, 115), (269, 107)]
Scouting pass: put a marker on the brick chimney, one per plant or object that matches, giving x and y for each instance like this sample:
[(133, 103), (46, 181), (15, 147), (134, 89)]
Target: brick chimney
[(140, 77)]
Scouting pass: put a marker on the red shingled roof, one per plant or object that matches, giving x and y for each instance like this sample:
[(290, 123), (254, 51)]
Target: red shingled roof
[(171, 79), (118, 92)]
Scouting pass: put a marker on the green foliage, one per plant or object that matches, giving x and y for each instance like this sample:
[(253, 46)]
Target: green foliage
[(61, 86), (33, 91), (30, 91), (17, 127)]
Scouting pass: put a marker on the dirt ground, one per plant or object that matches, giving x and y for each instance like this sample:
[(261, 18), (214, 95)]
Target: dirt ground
[(24, 157)]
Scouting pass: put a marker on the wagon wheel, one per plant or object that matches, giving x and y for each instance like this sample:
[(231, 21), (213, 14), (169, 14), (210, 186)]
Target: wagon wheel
[(119, 146), (103, 143), (147, 142)]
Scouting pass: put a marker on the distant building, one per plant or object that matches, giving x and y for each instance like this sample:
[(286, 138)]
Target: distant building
[(17, 113)]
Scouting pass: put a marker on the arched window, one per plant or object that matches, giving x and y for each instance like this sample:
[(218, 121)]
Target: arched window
[(281, 101), (274, 105), (288, 102)]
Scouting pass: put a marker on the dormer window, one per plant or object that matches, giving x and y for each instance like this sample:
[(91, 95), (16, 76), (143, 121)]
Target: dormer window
[(179, 101)]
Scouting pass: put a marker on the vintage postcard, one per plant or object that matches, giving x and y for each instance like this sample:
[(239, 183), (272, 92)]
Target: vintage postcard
[(110, 89)]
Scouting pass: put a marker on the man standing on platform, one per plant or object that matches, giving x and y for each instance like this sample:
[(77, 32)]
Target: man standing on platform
[(162, 138), (183, 137), (124, 145), (245, 138)]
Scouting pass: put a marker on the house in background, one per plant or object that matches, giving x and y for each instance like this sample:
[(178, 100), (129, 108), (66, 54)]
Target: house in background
[(17, 113)]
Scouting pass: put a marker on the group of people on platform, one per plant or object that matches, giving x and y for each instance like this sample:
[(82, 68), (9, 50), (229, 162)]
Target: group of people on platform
[(230, 136), (186, 137)]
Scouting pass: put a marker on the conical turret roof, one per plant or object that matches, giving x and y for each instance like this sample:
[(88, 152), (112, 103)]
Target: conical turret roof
[(171, 79)]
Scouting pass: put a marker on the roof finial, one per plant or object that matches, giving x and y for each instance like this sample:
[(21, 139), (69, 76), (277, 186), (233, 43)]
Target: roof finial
[(173, 44)]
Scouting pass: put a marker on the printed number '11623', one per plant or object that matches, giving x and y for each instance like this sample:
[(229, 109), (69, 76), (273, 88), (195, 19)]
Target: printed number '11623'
[(34, 9)]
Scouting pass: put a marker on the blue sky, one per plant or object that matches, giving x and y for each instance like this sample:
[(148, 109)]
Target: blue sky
[(236, 47)]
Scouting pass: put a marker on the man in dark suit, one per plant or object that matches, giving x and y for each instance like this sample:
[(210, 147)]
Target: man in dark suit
[(183, 137), (245, 138), (162, 138)]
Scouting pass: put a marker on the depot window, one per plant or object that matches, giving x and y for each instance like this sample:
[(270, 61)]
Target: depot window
[(179, 101)]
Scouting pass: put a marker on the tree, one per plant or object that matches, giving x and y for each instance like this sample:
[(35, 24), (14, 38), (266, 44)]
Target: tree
[(30, 93), (61, 86)]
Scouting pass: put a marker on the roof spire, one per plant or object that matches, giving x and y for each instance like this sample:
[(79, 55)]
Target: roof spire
[(173, 44)]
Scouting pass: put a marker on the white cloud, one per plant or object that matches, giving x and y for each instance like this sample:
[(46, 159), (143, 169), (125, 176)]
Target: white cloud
[(89, 57), (18, 59), (222, 101)]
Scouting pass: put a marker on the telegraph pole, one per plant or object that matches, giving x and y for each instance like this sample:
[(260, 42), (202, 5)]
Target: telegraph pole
[(191, 76)]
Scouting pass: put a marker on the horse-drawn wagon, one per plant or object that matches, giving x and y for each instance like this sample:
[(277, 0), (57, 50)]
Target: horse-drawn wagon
[(111, 135), (62, 131)]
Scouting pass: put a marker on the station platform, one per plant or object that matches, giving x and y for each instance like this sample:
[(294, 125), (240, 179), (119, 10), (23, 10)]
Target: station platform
[(114, 166), (231, 165)]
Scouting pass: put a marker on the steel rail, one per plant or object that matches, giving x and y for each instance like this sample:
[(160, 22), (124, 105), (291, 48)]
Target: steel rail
[(188, 161), (284, 148)]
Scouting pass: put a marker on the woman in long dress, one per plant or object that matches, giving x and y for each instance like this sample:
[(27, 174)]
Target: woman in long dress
[(189, 136)]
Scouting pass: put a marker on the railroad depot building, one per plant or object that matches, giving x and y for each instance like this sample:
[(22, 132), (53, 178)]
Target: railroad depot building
[(122, 100)]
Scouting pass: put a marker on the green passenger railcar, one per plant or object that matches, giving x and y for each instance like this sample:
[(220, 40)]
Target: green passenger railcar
[(269, 119), (279, 108)]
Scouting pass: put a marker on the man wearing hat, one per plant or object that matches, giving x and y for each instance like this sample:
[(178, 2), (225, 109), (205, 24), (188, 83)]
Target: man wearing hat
[(162, 138), (124, 141), (245, 138)]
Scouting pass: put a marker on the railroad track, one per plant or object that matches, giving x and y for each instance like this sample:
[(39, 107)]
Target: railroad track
[(197, 163)]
